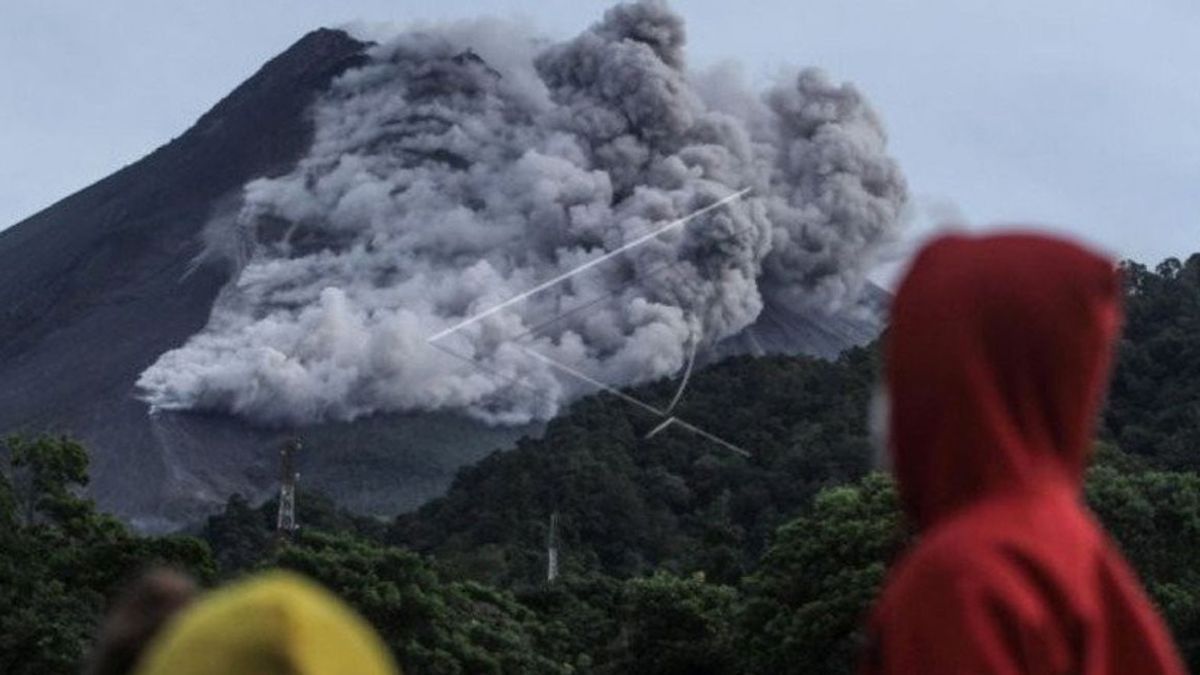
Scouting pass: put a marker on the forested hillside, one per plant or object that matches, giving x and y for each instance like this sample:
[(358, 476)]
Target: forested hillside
[(628, 505), (1154, 406), (677, 555)]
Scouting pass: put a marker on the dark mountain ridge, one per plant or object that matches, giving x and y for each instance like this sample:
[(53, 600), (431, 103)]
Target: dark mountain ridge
[(94, 288)]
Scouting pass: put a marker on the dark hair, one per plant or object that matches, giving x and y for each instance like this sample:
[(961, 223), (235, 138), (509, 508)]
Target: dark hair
[(135, 618)]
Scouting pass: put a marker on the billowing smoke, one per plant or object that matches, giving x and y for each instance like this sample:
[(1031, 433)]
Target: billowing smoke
[(466, 164)]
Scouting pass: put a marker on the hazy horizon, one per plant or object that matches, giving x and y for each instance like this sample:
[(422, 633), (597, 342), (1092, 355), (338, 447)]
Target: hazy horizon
[(1081, 117)]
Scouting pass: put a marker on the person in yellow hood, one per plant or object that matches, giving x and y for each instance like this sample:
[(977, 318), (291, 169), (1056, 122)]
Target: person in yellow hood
[(273, 623)]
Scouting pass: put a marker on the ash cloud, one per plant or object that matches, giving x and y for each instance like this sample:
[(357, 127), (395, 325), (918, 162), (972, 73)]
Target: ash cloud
[(467, 163)]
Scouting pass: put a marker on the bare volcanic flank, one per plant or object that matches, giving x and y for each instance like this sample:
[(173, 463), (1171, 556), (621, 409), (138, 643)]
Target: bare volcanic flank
[(278, 266)]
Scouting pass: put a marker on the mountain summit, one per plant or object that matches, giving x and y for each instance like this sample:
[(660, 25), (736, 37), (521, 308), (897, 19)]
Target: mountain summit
[(95, 287), (118, 297)]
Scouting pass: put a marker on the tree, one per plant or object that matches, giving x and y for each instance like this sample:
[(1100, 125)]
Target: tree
[(676, 626), (61, 560), (240, 536), (806, 601), (1155, 517), (434, 626), (46, 469), (1153, 410)]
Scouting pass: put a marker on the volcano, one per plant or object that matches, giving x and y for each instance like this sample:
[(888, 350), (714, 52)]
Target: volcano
[(97, 287)]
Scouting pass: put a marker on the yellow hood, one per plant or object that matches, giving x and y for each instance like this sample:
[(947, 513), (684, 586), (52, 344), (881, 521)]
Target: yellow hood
[(276, 622)]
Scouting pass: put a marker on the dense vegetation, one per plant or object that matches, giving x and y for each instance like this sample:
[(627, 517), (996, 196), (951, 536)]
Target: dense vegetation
[(1154, 408), (677, 556), (61, 561), (628, 505)]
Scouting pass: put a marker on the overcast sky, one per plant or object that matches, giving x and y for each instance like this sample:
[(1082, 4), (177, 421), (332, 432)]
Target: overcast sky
[(1083, 115)]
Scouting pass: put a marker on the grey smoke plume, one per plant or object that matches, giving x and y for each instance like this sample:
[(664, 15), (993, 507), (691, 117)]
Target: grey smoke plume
[(468, 163)]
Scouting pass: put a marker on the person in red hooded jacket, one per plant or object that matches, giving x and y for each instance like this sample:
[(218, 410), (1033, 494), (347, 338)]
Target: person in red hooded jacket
[(997, 359)]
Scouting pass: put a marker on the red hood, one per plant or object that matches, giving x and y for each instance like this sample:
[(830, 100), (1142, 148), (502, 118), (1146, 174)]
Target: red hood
[(997, 357)]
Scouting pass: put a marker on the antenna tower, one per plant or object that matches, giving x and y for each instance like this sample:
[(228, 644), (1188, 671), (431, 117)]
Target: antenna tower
[(285, 525), (552, 549)]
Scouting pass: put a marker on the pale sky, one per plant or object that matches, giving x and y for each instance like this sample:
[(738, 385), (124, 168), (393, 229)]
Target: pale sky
[(1083, 115)]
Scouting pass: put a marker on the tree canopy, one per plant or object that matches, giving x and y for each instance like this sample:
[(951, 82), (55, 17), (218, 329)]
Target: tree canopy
[(677, 556)]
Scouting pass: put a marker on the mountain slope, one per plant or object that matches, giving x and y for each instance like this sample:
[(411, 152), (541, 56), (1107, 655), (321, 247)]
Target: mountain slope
[(99, 285)]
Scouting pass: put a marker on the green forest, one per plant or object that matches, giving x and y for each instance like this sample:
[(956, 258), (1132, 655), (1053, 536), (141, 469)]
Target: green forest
[(677, 556)]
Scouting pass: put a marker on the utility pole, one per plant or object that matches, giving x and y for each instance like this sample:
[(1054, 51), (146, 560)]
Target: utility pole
[(285, 525), (552, 549)]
